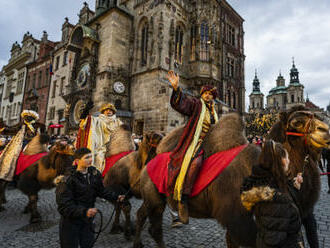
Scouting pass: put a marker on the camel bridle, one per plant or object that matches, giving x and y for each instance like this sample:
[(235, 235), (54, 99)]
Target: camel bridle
[(307, 129)]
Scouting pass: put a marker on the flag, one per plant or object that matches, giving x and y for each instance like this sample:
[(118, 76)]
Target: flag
[(51, 69)]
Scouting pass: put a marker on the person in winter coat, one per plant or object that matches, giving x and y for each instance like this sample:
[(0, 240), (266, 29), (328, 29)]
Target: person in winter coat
[(75, 197), (271, 197)]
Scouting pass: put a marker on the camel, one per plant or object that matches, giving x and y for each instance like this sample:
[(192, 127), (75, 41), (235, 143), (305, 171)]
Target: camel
[(41, 174), (220, 200), (126, 173)]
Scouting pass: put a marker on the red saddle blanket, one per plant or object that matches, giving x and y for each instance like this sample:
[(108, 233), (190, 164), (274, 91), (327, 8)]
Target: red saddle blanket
[(211, 168), (25, 161), (110, 161)]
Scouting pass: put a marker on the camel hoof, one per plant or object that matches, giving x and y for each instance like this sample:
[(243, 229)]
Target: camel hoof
[(26, 210), (116, 229), (138, 245), (35, 219)]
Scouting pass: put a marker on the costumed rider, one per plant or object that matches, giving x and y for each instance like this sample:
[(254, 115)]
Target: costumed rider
[(186, 159), (24, 132), (94, 132)]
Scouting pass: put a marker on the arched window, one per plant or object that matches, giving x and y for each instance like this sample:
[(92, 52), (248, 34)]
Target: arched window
[(178, 44), (144, 44), (193, 32), (204, 46), (118, 104), (234, 100), (229, 98), (292, 98), (253, 104)]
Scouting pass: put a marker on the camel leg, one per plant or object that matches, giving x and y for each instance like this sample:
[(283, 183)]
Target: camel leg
[(156, 227), (128, 225), (229, 241), (141, 217), (116, 228), (3, 200), (35, 215)]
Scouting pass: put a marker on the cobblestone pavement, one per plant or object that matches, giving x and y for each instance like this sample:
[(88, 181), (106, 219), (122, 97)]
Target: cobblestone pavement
[(16, 232)]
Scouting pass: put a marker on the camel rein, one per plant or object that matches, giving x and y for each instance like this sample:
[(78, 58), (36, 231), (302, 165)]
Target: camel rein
[(102, 228)]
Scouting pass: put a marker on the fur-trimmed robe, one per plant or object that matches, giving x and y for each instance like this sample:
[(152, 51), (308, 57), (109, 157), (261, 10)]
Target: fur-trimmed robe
[(183, 153), (277, 215)]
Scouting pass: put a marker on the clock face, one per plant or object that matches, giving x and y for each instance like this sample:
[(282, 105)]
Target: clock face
[(83, 76), (119, 87)]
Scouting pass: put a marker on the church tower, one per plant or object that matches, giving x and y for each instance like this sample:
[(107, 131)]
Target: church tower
[(256, 97), (295, 90)]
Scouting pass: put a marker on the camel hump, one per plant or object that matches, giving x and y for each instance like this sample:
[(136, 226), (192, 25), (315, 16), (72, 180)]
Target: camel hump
[(224, 135), (170, 141), (37, 145)]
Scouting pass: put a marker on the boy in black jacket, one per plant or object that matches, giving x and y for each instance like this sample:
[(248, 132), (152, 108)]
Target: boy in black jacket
[(75, 197)]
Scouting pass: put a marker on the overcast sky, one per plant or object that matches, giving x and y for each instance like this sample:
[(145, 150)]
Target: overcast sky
[(275, 31)]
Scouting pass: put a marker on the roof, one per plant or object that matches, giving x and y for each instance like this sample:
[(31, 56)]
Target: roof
[(278, 90)]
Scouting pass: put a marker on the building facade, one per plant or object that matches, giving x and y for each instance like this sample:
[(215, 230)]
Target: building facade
[(123, 51), (284, 97), (16, 73), (38, 79), (2, 85), (62, 67)]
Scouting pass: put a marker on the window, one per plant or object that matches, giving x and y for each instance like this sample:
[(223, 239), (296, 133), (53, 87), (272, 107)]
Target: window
[(292, 98), (39, 79), (47, 76), (54, 89), (204, 46), (229, 98), (18, 108), (13, 110), (234, 100), (34, 80), (230, 67), (144, 45), (62, 86), (60, 114), (65, 58), (193, 32), (118, 104), (230, 35), (8, 88), (253, 104), (28, 86), (20, 82), (51, 113), (214, 34), (178, 44), (57, 62)]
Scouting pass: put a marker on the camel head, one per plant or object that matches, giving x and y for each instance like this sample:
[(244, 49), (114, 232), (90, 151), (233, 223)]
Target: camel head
[(61, 157), (148, 146), (303, 125)]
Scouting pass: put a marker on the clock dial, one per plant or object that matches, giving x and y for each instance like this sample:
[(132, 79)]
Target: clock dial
[(83, 75), (119, 87)]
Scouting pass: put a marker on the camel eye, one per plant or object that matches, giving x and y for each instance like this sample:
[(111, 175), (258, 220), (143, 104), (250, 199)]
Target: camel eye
[(322, 129), (297, 123)]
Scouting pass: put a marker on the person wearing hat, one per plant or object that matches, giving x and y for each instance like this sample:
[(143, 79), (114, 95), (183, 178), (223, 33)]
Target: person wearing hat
[(22, 133), (187, 157), (94, 132)]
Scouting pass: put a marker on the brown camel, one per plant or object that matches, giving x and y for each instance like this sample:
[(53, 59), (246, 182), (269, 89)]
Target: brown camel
[(126, 173), (220, 200), (41, 174)]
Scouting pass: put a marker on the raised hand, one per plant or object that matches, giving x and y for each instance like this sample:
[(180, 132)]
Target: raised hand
[(174, 79)]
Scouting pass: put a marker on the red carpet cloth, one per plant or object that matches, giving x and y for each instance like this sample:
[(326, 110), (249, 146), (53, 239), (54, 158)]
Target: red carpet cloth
[(211, 168), (110, 161), (25, 161)]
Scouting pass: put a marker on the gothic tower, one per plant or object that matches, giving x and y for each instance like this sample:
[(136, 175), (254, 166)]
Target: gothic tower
[(256, 97), (295, 90)]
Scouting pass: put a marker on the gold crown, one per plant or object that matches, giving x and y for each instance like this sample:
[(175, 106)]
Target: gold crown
[(30, 113), (105, 106)]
